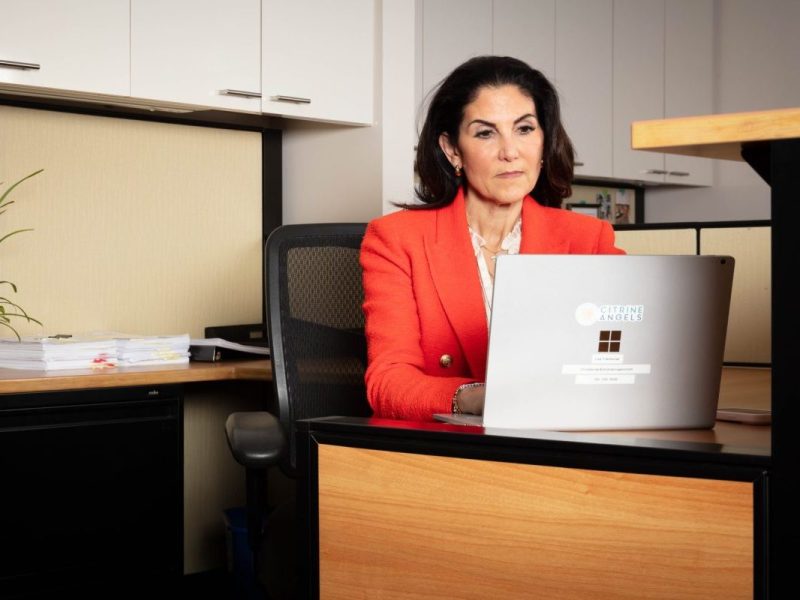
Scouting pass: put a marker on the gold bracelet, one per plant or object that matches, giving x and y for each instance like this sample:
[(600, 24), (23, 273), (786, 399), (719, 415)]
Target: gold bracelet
[(454, 407)]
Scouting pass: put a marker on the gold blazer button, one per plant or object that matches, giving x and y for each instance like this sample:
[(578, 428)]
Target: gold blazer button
[(445, 360)]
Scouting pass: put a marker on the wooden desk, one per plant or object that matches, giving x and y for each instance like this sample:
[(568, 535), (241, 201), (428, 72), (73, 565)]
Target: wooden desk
[(769, 141), (401, 509), (212, 480), (18, 381)]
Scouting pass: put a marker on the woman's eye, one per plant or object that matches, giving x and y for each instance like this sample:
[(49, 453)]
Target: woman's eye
[(526, 129), (483, 133)]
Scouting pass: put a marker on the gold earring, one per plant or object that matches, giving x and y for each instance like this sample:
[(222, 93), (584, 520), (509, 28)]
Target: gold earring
[(458, 170)]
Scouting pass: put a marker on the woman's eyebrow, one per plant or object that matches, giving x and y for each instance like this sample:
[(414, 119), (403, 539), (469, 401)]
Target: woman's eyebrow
[(481, 122), (490, 124)]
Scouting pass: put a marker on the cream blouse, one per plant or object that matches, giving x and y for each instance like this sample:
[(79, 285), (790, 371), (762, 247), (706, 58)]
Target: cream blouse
[(509, 245)]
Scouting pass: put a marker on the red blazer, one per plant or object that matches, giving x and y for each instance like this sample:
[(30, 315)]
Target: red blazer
[(423, 300)]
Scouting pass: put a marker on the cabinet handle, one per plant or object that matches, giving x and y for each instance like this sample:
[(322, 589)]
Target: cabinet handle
[(679, 173), (655, 172), (578, 163), (13, 64), (240, 93), (295, 99)]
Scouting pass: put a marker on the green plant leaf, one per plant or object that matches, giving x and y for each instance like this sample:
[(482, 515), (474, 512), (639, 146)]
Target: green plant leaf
[(8, 235), (22, 315), (8, 191), (16, 333), (8, 308)]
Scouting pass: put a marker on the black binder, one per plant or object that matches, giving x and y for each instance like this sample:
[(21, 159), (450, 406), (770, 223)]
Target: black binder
[(233, 342)]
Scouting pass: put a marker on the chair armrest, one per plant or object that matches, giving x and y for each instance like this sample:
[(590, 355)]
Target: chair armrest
[(255, 438)]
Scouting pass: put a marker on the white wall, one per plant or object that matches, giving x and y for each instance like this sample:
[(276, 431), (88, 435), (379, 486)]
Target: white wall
[(331, 173), (757, 60), (399, 102)]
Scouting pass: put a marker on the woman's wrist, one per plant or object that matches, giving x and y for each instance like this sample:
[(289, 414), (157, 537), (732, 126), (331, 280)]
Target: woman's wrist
[(460, 402)]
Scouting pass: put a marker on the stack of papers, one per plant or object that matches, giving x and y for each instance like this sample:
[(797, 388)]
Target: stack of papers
[(153, 350), (58, 352), (93, 350)]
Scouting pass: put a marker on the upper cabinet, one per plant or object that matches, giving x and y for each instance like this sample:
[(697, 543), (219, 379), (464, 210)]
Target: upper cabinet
[(583, 57), (81, 45), (445, 45), (688, 73), (638, 84), (525, 29), (201, 52), (520, 28), (663, 67), (302, 59), (317, 59)]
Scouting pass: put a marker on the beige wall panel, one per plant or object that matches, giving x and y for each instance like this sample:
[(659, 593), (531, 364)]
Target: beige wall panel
[(139, 227), (658, 241), (396, 525), (750, 323)]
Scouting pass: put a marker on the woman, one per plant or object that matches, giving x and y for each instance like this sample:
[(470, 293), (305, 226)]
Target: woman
[(494, 163)]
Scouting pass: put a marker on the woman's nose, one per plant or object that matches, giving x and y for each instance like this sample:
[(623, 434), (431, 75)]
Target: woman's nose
[(508, 148)]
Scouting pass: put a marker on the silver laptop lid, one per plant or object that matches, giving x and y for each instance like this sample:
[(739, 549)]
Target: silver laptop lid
[(607, 342)]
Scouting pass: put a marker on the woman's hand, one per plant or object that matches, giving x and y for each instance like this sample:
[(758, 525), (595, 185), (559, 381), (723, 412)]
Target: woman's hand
[(470, 400)]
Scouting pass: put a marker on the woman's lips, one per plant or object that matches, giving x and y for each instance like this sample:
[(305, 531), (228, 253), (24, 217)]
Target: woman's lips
[(510, 174)]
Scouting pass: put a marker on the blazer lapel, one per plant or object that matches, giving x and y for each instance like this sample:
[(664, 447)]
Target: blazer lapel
[(455, 275), (538, 235)]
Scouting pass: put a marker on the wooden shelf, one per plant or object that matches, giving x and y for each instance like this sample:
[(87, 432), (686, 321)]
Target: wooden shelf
[(15, 381), (715, 136)]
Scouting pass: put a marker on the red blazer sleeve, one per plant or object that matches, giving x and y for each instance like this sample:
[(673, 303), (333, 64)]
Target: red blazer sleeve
[(398, 385)]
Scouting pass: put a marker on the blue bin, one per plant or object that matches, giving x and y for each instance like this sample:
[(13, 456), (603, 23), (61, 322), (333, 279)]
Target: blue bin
[(240, 559)]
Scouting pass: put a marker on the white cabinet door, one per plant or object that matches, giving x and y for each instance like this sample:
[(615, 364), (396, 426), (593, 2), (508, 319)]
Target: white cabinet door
[(203, 52), (317, 59), (525, 29), (80, 45), (452, 32), (456, 30), (584, 80), (688, 79), (638, 84)]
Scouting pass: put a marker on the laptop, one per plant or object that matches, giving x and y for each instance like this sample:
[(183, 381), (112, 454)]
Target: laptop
[(588, 342)]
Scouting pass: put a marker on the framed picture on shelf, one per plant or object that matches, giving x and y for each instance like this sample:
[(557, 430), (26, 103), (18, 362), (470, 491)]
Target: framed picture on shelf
[(593, 210), (618, 206)]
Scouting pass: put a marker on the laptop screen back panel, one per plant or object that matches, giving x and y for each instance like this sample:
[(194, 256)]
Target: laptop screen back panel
[(607, 342)]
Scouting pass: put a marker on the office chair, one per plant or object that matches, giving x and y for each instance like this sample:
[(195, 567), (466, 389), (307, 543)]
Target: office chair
[(318, 351)]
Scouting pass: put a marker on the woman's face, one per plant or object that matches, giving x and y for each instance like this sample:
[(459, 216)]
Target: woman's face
[(500, 145)]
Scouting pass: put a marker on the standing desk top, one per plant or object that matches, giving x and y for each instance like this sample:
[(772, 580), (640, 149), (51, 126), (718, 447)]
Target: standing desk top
[(715, 136)]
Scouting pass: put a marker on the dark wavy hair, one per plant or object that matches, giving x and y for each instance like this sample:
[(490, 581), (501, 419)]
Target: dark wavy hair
[(438, 184)]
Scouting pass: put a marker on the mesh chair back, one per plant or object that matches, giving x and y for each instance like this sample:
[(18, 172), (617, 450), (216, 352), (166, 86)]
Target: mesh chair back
[(316, 323)]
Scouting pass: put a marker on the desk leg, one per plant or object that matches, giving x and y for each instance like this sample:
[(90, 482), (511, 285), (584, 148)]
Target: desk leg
[(784, 517)]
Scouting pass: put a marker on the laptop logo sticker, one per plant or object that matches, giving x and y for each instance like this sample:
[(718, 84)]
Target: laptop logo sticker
[(590, 313), (610, 341)]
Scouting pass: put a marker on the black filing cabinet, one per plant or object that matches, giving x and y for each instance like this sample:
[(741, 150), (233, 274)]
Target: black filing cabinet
[(91, 490)]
